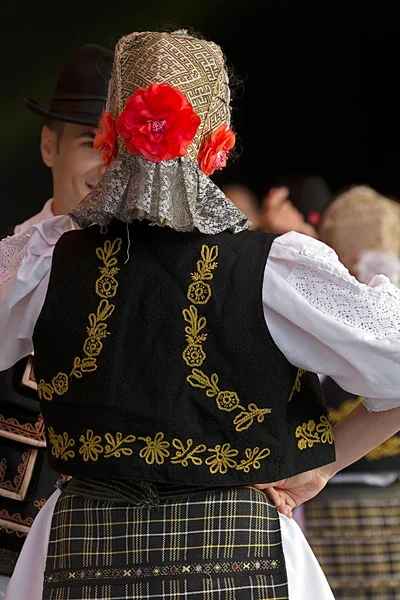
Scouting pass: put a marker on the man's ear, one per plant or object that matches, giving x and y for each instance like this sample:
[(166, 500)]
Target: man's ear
[(48, 145)]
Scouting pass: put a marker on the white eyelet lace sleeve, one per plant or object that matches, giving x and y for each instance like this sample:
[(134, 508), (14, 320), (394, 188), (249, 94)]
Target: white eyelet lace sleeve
[(324, 320), (25, 263)]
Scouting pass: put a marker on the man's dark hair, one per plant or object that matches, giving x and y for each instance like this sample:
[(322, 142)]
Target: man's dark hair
[(58, 128)]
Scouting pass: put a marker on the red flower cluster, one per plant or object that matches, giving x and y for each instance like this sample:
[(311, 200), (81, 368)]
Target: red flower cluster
[(215, 150), (106, 141), (158, 122)]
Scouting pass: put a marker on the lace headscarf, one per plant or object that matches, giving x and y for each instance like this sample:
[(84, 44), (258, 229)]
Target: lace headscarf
[(170, 192)]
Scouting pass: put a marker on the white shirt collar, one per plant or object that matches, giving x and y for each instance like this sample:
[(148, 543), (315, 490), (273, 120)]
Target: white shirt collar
[(45, 213)]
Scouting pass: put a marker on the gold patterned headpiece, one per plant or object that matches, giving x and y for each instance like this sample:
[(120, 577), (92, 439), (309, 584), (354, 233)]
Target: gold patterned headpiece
[(167, 185), (361, 220), (194, 66)]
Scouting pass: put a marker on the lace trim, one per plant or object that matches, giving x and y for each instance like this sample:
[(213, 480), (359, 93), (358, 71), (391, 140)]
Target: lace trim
[(13, 251), (173, 192), (375, 311)]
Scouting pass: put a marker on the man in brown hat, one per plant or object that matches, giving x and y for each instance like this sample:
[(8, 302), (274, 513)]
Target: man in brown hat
[(66, 146)]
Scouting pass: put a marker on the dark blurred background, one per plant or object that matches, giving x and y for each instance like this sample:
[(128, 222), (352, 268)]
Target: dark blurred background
[(319, 92)]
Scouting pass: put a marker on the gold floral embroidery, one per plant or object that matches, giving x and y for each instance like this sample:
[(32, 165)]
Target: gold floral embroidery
[(227, 400), (199, 292), (194, 355), (310, 433), (106, 287), (155, 450), (94, 447), (59, 383), (297, 383), (45, 390), (246, 418), (253, 457), (91, 447), (113, 447), (61, 445), (184, 454), (222, 459)]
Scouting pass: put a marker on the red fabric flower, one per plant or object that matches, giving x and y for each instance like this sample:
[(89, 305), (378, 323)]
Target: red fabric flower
[(106, 141), (214, 150), (158, 122)]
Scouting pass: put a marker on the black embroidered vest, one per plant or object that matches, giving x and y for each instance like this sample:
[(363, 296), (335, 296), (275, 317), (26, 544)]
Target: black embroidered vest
[(154, 362), (385, 457)]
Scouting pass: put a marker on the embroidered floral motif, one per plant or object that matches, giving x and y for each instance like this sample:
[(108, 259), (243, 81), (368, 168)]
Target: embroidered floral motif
[(60, 383), (246, 418), (310, 433), (297, 383), (61, 445), (199, 292), (45, 390), (91, 446), (106, 287), (184, 454), (253, 457), (113, 447), (194, 355), (222, 459), (94, 447), (155, 450), (227, 400)]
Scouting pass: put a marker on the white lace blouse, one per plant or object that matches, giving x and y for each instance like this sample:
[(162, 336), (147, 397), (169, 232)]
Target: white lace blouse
[(319, 316)]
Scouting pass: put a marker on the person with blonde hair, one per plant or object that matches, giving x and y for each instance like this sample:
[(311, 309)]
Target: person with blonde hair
[(357, 549)]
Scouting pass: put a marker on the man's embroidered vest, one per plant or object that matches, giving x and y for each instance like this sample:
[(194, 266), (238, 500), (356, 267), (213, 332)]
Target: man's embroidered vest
[(154, 362), (385, 457)]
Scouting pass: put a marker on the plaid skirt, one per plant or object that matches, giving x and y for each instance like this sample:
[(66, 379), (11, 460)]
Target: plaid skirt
[(213, 545), (354, 532)]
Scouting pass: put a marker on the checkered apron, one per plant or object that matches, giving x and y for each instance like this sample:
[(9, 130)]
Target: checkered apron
[(355, 534), (220, 544)]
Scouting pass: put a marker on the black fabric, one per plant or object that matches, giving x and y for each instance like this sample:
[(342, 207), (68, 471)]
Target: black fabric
[(81, 90), (140, 392), (24, 470), (212, 546), (384, 458)]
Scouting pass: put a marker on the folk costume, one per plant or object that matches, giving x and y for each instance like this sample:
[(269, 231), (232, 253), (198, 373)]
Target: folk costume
[(26, 479), (183, 347), (354, 524)]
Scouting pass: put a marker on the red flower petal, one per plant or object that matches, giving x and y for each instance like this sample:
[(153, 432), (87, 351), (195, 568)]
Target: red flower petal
[(106, 140), (214, 151), (158, 122)]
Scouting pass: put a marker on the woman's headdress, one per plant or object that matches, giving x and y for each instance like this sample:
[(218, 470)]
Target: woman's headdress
[(165, 130)]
